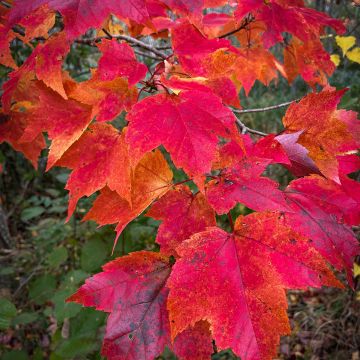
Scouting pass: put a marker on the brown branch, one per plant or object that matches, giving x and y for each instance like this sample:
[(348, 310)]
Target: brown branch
[(268, 108), (244, 129)]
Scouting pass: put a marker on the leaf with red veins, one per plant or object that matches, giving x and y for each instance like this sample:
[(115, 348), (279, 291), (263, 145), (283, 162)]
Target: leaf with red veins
[(194, 343), (243, 183), (63, 120), (191, 47), (132, 288), (107, 98), (329, 235), (241, 296), (118, 59), (188, 125), (81, 15), (326, 131), (106, 164), (304, 23), (150, 180), (308, 59), (12, 126), (183, 214)]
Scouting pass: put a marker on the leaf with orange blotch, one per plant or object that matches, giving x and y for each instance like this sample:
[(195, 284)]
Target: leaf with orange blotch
[(12, 126), (308, 59), (49, 61), (38, 23), (150, 179), (46, 63), (326, 131), (63, 120), (319, 208), (107, 98), (283, 16), (118, 60), (132, 289), (107, 164), (188, 125), (183, 214), (241, 296), (6, 58)]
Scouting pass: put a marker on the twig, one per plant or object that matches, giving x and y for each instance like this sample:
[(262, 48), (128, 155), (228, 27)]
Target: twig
[(268, 108), (245, 129), (141, 53)]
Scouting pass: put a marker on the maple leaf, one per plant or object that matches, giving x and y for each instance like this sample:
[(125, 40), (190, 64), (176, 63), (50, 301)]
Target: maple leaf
[(183, 214), (150, 179), (118, 60), (278, 16), (319, 209), (308, 59), (241, 296), (81, 15), (12, 127), (240, 180), (188, 125), (132, 288), (45, 63), (107, 164), (326, 131)]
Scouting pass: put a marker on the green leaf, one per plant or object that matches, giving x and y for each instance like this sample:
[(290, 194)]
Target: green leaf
[(7, 312), (32, 212), (15, 355), (57, 257), (93, 255), (75, 347), (42, 288), (25, 318)]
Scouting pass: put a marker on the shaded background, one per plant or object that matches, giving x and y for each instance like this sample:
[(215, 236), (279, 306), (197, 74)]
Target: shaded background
[(43, 260)]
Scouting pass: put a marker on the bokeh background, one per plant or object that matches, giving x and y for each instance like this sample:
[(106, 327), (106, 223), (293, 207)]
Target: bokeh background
[(43, 259)]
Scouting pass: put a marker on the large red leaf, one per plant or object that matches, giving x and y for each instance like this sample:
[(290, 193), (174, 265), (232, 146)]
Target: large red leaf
[(183, 214), (132, 289), (188, 125), (237, 283), (319, 209)]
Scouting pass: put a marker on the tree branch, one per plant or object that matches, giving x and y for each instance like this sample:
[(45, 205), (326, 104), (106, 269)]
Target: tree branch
[(268, 108), (244, 129)]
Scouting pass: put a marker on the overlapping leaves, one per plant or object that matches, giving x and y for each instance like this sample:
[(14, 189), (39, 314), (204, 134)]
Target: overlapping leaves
[(205, 284)]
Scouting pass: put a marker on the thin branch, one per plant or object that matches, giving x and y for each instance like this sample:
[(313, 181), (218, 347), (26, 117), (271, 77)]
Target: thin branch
[(268, 108), (245, 129), (141, 53)]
